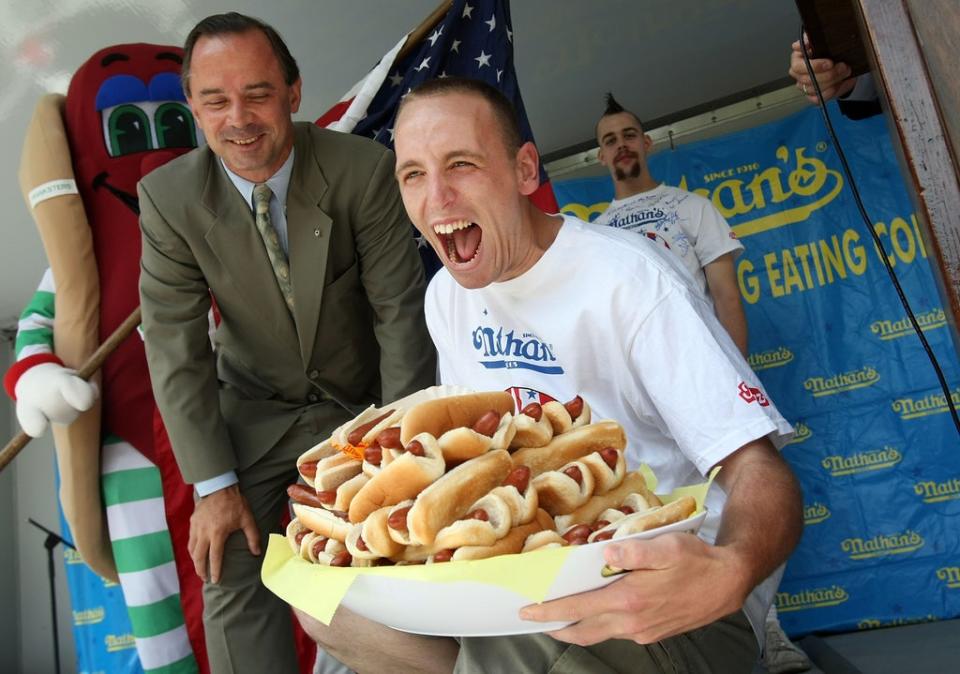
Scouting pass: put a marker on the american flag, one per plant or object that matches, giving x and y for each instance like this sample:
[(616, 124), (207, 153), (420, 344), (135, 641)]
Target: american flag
[(523, 396), (475, 40)]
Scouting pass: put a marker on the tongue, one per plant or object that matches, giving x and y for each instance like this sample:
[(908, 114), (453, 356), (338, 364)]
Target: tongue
[(467, 241)]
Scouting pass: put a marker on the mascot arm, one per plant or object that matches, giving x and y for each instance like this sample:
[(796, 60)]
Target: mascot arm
[(44, 389), (175, 301)]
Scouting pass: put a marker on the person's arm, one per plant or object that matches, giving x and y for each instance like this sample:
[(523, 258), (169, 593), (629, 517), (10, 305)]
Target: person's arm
[(723, 288), (392, 277), (833, 78), (175, 303), (678, 582)]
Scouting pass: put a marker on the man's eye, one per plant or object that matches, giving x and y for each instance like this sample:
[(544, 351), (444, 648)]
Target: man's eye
[(407, 177), (215, 103), (461, 164)]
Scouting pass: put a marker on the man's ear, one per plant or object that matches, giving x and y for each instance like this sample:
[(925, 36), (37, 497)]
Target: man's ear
[(295, 95), (647, 143), (528, 168)]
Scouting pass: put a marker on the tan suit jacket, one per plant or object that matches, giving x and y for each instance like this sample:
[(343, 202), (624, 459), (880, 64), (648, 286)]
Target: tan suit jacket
[(356, 336)]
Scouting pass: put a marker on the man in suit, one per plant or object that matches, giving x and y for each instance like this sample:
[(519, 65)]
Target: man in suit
[(320, 293)]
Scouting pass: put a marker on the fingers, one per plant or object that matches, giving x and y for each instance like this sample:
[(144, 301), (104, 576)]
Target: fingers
[(32, 420), (215, 556), (252, 534), (78, 394), (198, 553)]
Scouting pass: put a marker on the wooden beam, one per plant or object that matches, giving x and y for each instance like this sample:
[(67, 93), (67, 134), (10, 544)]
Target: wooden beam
[(902, 77)]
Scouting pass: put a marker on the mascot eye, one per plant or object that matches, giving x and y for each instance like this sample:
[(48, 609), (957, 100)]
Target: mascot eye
[(174, 125), (129, 130)]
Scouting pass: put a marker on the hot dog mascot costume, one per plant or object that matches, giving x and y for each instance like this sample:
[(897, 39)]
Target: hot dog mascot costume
[(121, 491)]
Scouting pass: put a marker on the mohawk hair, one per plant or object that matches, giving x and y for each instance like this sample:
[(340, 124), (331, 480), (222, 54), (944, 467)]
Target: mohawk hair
[(612, 106)]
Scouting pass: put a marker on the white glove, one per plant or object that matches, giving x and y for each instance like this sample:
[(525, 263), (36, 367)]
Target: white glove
[(50, 393)]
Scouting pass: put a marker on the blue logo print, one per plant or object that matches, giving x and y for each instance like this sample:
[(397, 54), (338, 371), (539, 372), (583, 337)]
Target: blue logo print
[(506, 351)]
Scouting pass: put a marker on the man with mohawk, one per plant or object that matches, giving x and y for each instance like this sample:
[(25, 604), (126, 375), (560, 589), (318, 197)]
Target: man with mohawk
[(684, 222)]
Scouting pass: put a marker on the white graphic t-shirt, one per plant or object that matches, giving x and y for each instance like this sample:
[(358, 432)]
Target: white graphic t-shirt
[(682, 221), (606, 316)]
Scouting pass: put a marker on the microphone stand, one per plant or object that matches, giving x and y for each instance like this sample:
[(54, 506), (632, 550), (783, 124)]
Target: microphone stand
[(53, 539)]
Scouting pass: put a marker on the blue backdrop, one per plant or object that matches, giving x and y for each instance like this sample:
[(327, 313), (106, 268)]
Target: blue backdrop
[(875, 450)]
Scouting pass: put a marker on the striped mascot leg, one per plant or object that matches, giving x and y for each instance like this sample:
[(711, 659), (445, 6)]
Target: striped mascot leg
[(133, 496)]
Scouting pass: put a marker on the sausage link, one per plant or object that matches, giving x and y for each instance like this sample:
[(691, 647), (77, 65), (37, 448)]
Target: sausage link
[(488, 423), (356, 435)]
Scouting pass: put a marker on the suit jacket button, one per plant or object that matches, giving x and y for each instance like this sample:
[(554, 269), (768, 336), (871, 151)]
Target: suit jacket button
[(314, 374), (313, 397)]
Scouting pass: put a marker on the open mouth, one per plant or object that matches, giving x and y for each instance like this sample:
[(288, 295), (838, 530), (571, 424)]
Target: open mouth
[(460, 239)]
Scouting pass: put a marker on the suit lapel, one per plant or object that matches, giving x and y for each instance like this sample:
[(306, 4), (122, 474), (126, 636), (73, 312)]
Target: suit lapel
[(308, 231), (235, 241)]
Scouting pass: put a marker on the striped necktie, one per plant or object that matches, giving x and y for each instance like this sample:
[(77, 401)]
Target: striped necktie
[(278, 260)]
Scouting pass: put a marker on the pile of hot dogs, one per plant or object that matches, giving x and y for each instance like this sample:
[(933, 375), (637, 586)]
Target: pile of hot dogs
[(463, 477)]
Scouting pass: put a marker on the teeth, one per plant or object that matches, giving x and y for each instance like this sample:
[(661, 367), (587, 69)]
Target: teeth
[(244, 142), (451, 227)]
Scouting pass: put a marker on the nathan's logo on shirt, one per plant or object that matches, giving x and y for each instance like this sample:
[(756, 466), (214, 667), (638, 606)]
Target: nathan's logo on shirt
[(752, 395), (936, 492), (815, 513), (90, 616), (928, 320), (119, 642), (861, 462), (950, 575), (772, 358), (505, 350), (818, 597), (934, 403), (637, 218), (882, 545), (873, 623), (844, 381), (801, 433)]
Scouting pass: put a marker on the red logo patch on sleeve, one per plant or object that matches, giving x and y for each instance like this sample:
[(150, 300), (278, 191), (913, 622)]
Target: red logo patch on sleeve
[(752, 395)]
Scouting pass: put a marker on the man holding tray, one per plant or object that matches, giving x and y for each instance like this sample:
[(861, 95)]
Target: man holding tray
[(592, 311)]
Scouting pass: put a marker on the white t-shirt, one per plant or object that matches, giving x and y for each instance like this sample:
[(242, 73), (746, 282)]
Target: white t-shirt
[(607, 316), (682, 221)]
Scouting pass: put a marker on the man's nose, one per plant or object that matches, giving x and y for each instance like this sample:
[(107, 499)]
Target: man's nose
[(440, 192), (238, 114)]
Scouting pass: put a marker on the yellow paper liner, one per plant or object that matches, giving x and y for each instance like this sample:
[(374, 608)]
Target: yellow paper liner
[(318, 590)]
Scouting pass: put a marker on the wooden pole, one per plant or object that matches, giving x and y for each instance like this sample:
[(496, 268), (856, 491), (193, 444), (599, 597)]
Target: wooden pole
[(93, 363), (420, 32)]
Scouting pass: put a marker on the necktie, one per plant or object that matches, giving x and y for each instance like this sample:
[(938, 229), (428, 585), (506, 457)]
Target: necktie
[(261, 203)]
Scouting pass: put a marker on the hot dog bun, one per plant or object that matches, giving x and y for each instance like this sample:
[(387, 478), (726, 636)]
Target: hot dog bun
[(449, 498), (403, 478), (632, 483), (477, 531), (532, 431), (571, 446), (606, 478), (523, 504), (559, 493), (510, 544), (307, 461), (542, 540), (659, 516), (323, 522), (440, 415), (463, 443), (560, 418), (373, 532)]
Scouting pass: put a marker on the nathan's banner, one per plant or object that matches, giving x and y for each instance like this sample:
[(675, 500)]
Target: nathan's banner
[(875, 449), (101, 627)]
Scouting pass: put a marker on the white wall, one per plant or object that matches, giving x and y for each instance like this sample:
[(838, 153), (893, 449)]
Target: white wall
[(27, 491)]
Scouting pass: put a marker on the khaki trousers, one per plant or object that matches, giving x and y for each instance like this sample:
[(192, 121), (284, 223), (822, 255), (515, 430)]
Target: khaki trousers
[(727, 646)]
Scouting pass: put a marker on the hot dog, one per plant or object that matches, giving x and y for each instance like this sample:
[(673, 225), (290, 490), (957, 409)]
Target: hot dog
[(449, 498), (464, 425), (370, 539), (655, 517), (542, 540), (420, 464), (486, 521), (608, 466), (633, 483), (565, 416), (324, 468), (533, 427), (564, 490), (328, 523), (510, 544), (519, 494), (571, 446)]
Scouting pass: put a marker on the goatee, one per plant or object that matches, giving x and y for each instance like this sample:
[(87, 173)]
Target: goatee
[(634, 172)]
